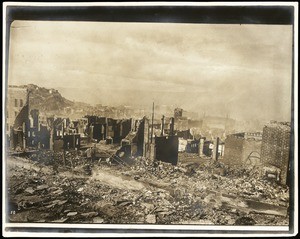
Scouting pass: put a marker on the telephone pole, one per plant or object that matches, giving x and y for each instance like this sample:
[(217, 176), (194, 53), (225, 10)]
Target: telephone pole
[(152, 123)]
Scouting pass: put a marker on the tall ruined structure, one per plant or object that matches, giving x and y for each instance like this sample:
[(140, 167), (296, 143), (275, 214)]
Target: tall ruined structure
[(276, 146)]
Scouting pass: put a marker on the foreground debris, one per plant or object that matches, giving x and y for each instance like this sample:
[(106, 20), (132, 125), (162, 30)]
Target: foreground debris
[(41, 188)]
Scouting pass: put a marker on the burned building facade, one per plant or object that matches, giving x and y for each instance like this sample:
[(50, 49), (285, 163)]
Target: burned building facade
[(192, 146), (181, 122), (16, 121), (275, 148), (71, 142), (16, 99), (143, 137), (122, 129), (33, 128), (166, 149), (99, 128), (239, 148), (137, 142)]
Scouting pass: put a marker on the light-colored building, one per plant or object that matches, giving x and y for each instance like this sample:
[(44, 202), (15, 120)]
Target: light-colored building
[(16, 99)]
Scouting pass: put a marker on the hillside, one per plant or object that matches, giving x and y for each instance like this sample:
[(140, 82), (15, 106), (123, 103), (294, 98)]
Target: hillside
[(45, 99)]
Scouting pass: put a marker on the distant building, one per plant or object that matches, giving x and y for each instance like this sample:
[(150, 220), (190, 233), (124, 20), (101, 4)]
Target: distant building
[(185, 134), (275, 147), (239, 148), (192, 146), (178, 113), (181, 124)]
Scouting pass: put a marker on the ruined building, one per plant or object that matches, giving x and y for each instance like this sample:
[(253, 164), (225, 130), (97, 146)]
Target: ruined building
[(136, 143), (276, 146), (166, 147), (185, 134), (33, 128), (240, 147), (16, 100), (178, 113), (17, 111), (99, 128), (181, 122), (143, 137)]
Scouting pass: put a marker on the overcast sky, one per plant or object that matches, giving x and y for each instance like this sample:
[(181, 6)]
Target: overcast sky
[(240, 70)]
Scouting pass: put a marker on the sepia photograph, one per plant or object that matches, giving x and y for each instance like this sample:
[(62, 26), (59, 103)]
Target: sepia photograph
[(123, 119)]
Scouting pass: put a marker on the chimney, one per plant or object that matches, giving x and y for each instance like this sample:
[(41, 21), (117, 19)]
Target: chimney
[(216, 147), (201, 146), (172, 127), (162, 125)]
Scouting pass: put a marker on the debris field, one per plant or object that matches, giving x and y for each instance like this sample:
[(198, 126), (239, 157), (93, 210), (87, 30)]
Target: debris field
[(43, 188)]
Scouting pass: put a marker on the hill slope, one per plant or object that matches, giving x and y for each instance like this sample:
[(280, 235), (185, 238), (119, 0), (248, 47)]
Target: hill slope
[(45, 99)]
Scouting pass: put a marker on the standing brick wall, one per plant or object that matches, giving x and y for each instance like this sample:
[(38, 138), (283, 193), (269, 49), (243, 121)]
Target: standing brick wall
[(238, 149), (275, 147), (233, 150)]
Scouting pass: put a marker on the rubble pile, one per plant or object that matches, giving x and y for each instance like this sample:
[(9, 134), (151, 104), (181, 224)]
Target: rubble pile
[(202, 192), (248, 182)]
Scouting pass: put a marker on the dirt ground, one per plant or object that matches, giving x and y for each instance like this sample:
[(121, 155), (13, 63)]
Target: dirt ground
[(196, 191)]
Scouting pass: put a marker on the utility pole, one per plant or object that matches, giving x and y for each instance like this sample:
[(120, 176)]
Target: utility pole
[(152, 123)]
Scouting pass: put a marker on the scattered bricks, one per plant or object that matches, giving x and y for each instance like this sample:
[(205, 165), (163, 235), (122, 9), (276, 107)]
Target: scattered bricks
[(188, 201)]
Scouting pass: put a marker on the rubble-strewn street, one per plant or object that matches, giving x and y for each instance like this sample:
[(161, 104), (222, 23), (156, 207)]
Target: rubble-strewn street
[(196, 191)]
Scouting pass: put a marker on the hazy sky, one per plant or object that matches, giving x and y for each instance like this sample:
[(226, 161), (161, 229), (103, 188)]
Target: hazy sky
[(242, 70)]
